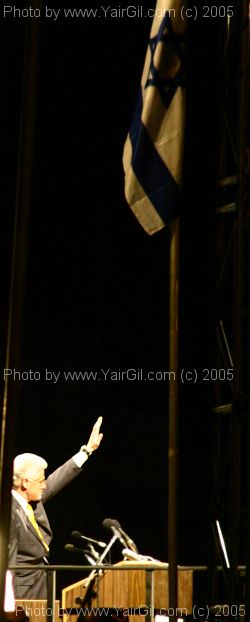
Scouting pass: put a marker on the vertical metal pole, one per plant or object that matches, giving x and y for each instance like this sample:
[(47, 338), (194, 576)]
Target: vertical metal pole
[(248, 526), (173, 414), (236, 426), (51, 595), (17, 287)]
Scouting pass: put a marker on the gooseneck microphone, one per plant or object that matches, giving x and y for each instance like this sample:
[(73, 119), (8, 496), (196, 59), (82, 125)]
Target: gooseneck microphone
[(86, 553), (111, 523), (73, 549), (79, 536)]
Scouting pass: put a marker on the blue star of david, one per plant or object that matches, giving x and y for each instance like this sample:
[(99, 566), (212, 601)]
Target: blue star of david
[(166, 87)]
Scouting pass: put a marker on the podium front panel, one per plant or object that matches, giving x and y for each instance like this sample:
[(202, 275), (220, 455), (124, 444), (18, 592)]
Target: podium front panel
[(130, 589)]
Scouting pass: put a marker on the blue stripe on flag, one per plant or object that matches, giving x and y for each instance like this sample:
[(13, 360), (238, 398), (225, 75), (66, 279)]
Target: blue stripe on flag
[(153, 175)]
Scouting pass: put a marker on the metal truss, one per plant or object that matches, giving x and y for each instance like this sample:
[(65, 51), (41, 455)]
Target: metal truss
[(231, 412)]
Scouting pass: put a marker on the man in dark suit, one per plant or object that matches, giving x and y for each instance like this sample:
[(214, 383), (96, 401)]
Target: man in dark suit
[(30, 533)]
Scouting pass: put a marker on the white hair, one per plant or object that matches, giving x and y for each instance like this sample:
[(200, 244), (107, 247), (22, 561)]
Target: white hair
[(27, 465)]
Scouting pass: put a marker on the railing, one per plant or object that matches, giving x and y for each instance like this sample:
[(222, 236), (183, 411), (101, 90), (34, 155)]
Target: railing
[(149, 610)]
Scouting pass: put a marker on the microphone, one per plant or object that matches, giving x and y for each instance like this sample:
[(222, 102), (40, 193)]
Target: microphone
[(89, 559), (93, 551), (74, 549), (127, 553), (113, 524), (102, 556), (109, 523), (79, 536), (132, 546), (132, 555)]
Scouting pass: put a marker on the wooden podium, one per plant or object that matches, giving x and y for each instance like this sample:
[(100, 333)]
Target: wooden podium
[(132, 589)]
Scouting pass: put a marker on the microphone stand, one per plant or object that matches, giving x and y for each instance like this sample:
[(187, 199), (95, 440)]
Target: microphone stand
[(108, 547), (90, 580), (99, 561)]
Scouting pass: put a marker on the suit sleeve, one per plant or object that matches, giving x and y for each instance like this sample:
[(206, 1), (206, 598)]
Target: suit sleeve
[(60, 478), (13, 545)]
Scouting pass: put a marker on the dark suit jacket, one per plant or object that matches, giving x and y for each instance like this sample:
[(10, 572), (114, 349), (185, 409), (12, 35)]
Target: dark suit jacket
[(25, 546)]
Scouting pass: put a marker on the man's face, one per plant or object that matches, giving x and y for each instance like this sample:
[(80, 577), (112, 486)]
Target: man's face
[(35, 485)]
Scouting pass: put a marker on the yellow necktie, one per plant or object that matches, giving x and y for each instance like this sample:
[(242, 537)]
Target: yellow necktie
[(32, 519)]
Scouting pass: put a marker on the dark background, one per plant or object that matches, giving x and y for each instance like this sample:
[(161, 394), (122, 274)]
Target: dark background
[(97, 286)]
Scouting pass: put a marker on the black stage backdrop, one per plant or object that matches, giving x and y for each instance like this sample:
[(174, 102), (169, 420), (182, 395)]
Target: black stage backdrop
[(97, 285)]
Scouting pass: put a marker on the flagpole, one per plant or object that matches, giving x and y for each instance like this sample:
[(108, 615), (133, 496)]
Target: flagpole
[(152, 160), (173, 413)]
